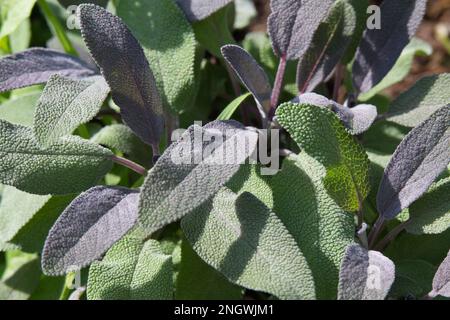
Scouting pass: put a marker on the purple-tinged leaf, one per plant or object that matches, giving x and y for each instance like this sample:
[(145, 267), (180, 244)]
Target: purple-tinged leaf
[(292, 25), (125, 68), (251, 74), (418, 161), (441, 281), (88, 227), (327, 48), (365, 275), (357, 119), (196, 10), (37, 65), (380, 48)]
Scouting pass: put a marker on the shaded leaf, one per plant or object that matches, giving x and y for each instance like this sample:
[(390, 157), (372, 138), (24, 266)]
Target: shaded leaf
[(365, 275), (418, 161), (191, 170), (250, 73), (36, 65), (229, 110), (126, 70), (292, 25), (441, 281), (241, 238), (360, 9), (413, 278), (132, 270), (320, 134), (196, 10), (13, 13), (88, 227), (170, 50), (424, 98), (69, 166), (380, 48), (65, 104), (20, 110), (327, 47)]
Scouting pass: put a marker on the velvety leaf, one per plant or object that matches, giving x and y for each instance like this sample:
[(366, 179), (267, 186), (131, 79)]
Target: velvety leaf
[(418, 161), (229, 110), (65, 104), (441, 281), (69, 166), (20, 110), (365, 275), (197, 280), (364, 115), (170, 50), (250, 73), (132, 270), (14, 12), (241, 238), (36, 65), (327, 47), (126, 70), (88, 227), (191, 171), (196, 10), (380, 48), (431, 213), (402, 67), (292, 25), (298, 197), (423, 99), (360, 9), (320, 134), (413, 279)]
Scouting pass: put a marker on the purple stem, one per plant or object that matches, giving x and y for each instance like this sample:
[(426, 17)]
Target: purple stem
[(278, 86), (130, 164)]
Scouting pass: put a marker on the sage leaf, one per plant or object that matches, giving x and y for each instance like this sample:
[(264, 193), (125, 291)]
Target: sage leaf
[(65, 104), (364, 115), (320, 134), (327, 47), (431, 213), (441, 281), (132, 270), (292, 25), (360, 9), (192, 170), (250, 73), (229, 110), (88, 227), (245, 13), (14, 12), (125, 68), (36, 65), (418, 161), (69, 166), (241, 238), (424, 98), (380, 48), (170, 50), (196, 10), (20, 110), (365, 275)]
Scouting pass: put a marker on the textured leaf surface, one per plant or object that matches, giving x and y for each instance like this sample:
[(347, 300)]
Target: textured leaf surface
[(65, 104), (360, 9), (251, 74), (418, 103), (365, 275), (380, 48), (441, 281), (69, 166), (88, 227), (327, 47), (132, 270), (196, 10), (14, 12), (189, 171), (20, 110), (198, 281), (240, 237), (229, 110), (431, 213), (292, 25), (126, 70), (298, 197), (170, 50), (418, 161), (412, 278), (36, 65), (320, 134)]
